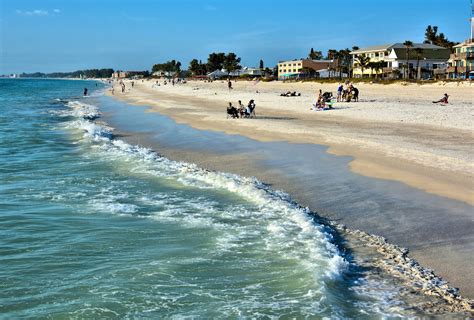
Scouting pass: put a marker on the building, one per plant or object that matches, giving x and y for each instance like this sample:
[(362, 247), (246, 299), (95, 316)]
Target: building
[(295, 69), (424, 61), (120, 75), (461, 62), (245, 71), (327, 73)]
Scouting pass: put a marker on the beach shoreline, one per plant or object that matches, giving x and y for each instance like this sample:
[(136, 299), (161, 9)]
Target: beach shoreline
[(433, 155), (193, 111)]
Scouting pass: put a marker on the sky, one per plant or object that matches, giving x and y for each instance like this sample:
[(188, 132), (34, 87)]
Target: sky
[(69, 35)]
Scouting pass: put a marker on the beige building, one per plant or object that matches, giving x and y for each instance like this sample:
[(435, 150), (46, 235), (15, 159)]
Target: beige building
[(424, 60), (120, 75), (297, 68), (461, 62)]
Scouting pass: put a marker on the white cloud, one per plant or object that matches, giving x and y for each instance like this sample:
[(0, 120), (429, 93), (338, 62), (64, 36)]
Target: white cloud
[(36, 12)]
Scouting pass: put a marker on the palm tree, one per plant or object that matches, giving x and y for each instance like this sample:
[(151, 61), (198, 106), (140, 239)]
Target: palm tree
[(351, 67), (371, 66), (363, 63), (419, 52), (379, 65), (331, 56), (408, 44)]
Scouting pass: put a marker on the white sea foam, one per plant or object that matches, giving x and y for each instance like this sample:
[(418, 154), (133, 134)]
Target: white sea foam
[(314, 241), (285, 227)]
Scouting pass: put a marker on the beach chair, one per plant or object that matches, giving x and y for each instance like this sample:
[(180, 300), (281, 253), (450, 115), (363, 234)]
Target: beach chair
[(252, 113), (231, 113)]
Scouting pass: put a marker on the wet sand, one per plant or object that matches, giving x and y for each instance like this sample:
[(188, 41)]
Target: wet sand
[(438, 231)]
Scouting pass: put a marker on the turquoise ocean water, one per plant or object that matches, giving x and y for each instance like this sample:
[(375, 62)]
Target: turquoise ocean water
[(93, 227)]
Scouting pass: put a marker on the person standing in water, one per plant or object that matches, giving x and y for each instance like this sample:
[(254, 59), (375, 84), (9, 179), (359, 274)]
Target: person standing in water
[(85, 91)]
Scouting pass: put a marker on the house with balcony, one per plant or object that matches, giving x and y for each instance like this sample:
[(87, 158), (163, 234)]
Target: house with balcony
[(295, 69), (461, 62), (424, 60)]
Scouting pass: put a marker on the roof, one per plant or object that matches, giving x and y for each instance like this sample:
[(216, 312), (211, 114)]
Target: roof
[(398, 45), (467, 43), (434, 54)]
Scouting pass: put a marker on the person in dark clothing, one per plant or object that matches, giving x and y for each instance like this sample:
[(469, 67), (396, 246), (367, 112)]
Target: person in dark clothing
[(443, 99), (85, 91), (232, 111)]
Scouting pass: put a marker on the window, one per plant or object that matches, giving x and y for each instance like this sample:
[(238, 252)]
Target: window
[(294, 70), (299, 64)]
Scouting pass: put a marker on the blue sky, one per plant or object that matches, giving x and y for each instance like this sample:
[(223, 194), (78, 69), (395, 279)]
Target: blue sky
[(67, 35)]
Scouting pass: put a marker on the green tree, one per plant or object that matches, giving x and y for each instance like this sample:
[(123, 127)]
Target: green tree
[(215, 61), (344, 61), (363, 61), (432, 36), (354, 48), (408, 44), (194, 66), (168, 66), (231, 62), (331, 55), (419, 53), (315, 55), (371, 66)]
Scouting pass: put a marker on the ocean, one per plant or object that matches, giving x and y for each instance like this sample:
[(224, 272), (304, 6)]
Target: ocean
[(92, 226)]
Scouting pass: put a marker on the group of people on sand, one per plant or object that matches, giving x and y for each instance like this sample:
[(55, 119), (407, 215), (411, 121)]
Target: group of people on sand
[(290, 94), (347, 92), (173, 81), (323, 101), (241, 111)]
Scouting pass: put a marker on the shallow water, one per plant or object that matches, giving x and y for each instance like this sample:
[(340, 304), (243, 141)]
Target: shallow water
[(92, 226)]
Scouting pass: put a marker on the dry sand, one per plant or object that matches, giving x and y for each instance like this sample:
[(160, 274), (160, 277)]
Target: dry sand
[(394, 131)]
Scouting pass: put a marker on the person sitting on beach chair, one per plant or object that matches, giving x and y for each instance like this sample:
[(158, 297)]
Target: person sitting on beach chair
[(250, 110), (241, 109), (443, 99), (232, 111)]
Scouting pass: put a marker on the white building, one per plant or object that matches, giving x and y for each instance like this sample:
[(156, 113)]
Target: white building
[(423, 59)]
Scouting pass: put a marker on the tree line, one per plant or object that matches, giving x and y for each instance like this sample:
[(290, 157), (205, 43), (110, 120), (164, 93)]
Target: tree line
[(89, 73), (216, 61)]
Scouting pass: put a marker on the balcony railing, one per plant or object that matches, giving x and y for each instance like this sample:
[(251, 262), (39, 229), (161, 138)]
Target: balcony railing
[(462, 55), (453, 69)]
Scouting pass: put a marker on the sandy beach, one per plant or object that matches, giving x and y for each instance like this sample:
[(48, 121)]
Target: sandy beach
[(393, 133)]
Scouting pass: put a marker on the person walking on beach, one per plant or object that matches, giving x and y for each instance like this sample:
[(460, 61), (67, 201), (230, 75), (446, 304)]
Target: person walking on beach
[(85, 91), (229, 84)]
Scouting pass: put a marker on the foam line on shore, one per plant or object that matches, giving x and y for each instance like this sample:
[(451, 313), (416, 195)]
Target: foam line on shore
[(395, 260)]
